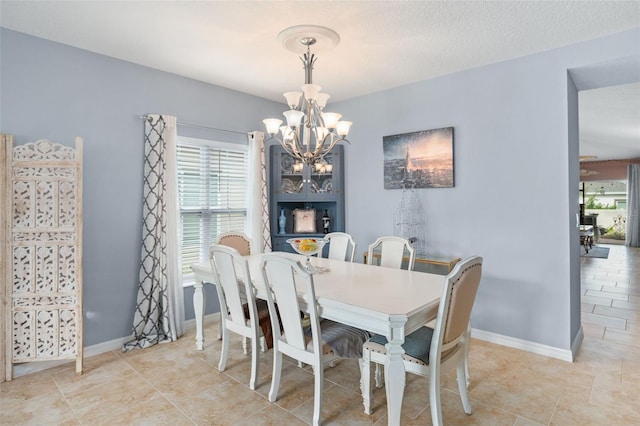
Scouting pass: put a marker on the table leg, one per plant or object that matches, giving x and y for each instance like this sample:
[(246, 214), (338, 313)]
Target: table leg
[(198, 308), (394, 373)]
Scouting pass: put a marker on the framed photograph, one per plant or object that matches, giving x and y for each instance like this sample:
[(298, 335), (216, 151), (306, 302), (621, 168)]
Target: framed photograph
[(421, 159), (304, 221)]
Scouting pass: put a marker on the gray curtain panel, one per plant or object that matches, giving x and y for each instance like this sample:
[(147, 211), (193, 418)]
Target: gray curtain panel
[(151, 318)]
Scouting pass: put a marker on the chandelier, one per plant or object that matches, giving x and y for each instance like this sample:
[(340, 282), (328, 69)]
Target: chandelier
[(309, 133)]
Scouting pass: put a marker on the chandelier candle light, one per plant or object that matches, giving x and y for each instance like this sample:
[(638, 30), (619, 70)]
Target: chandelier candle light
[(310, 133)]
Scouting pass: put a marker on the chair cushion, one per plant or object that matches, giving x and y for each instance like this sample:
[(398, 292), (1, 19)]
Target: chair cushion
[(345, 341), (416, 345)]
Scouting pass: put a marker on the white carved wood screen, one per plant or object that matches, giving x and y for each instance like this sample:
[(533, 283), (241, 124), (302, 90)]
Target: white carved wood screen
[(43, 252)]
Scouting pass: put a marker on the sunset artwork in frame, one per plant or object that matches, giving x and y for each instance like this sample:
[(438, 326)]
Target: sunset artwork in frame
[(421, 159)]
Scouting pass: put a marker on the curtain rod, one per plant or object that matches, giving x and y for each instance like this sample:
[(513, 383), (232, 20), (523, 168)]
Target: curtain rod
[(144, 117)]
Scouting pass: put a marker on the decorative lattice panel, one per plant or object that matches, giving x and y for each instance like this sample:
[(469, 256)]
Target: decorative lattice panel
[(44, 255), (409, 221)]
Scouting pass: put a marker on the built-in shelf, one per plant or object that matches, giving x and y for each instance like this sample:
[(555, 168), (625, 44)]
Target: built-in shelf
[(298, 186)]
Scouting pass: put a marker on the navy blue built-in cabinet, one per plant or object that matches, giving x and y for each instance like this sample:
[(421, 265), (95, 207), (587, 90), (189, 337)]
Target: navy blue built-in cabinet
[(294, 186)]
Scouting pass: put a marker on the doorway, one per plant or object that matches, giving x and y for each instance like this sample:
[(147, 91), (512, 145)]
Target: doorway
[(616, 76)]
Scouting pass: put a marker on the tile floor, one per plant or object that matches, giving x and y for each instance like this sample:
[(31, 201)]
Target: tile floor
[(175, 384)]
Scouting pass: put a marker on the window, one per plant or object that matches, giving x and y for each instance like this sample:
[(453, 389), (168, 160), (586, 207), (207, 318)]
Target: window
[(212, 195)]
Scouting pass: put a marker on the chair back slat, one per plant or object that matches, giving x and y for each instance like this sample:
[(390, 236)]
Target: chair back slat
[(391, 251), (280, 275), (391, 254), (338, 248), (224, 263), (341, 246)]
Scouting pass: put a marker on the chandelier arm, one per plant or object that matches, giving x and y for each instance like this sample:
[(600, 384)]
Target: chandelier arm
[(297, 145), (320, 145), (291, 148), (296, 148), (319, 122), (334, 142), (283, 144)]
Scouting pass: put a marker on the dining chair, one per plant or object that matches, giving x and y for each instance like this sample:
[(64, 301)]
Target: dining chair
[(317, 344), (429, 350), (341, 246), (390, 251), (236, 296), (238, 240), (243, 244)]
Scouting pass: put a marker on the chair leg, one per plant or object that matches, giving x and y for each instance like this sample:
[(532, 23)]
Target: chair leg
[(379, 376), (263, 344), (225, 350), (317, 394), (277, 370), (434, 396), (462, 385), (365, 380), (255, 358), (244, 344), (467, 343)]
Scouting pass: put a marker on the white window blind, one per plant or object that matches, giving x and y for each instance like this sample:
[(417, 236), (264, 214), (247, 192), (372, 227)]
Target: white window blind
[(212, 193)]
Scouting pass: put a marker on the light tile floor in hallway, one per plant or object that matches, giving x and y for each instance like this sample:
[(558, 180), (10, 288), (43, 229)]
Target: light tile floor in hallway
[(177, 385)]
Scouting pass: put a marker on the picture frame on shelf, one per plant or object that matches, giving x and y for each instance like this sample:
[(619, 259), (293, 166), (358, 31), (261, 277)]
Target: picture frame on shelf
[(304, 221)]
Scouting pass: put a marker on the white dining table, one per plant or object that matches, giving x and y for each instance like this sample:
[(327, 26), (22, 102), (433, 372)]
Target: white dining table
[(386, 301)]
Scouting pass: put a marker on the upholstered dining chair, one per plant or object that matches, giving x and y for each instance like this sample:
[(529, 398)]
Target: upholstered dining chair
[(341, 246), (389, 251), (316, 345), (429, 350), (238, 240), (234, 303)]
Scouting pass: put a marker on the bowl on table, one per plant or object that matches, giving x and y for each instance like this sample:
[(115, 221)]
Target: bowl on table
[(307, 247)]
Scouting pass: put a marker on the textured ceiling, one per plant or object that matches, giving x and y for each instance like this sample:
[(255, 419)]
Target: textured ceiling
[(610, 122), (384, 44)]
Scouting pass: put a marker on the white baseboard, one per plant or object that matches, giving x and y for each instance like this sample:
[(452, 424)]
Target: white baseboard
[(577, 342), (189, 324), (512, 342), (536, 348), (97, 349)]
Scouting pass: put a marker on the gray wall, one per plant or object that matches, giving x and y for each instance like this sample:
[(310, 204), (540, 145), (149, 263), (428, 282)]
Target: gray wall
[(512, 134), (52, 91)]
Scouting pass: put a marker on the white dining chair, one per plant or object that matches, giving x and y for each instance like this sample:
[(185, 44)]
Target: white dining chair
[(243, 244), (225, 262), (316, 345), (341, 246), (390, 251), (429, 350)]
